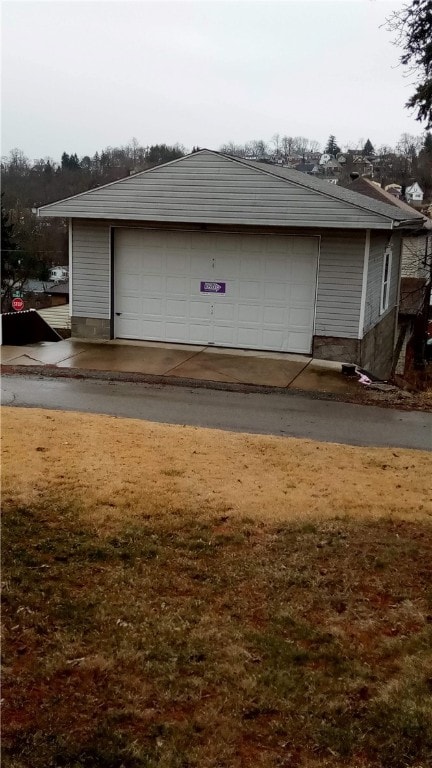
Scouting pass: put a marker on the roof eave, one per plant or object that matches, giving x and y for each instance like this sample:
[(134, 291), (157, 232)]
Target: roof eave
[(385, 224), (416, 223)]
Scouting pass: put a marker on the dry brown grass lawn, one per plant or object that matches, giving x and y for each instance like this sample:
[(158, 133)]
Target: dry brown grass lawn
[(108, 464), (185, 598)]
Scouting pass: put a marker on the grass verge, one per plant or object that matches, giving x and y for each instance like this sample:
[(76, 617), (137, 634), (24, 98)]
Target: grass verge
[(160, 629), (215, 643)]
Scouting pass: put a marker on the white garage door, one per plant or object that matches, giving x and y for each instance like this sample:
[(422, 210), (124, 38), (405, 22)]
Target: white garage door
[(246, 291)]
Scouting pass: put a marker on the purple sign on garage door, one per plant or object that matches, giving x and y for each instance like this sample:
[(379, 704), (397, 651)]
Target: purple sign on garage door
[(212, 287)]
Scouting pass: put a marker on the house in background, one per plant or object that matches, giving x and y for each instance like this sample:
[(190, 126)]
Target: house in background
[(395, 190), (217, 250), (414, 193), (59, 274)]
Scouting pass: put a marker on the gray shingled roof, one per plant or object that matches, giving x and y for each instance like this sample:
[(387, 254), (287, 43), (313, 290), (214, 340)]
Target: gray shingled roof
[(331, 190), (209, 187)]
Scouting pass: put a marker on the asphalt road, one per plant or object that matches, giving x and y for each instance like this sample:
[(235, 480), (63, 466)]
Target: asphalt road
[(277, 414)]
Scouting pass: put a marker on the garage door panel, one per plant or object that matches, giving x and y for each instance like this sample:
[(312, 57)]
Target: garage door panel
[(295, 342), (224, 311), (177, 285), (250, 314), (299, 317), (275, 315), (150, 284), (131, 306), (150, 306), (247, 337), (200, 334), (178, 262), (274, 292), (200, 310), (302, 294), (132, 327), (129, 283), (273, 339), (225, 335), (249, 290), (277, 268), (303, 271), (226, 266), (154, 260), (200, 262), (267, 291), (177, 331), (176, 308), (250, 267)]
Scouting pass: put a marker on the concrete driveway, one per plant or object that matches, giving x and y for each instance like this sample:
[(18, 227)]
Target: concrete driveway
[(186, 362)]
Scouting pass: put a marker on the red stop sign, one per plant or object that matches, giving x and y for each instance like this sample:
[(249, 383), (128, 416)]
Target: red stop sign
[(17, 304)]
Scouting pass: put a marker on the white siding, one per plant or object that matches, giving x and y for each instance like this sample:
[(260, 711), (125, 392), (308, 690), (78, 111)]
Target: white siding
[(340, 284), (373, 294), (91, 269)]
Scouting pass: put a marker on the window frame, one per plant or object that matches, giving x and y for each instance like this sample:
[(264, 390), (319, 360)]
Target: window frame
[(385, 280)]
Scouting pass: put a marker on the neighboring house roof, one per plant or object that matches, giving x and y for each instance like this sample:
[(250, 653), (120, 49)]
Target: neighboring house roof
[(212, 188), (412, 294), (45, 286), (59, 288), (305, 167), (35, 286), (373, 190)]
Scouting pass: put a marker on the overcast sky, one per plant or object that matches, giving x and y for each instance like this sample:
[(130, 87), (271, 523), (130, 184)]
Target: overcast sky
[(80, 76)]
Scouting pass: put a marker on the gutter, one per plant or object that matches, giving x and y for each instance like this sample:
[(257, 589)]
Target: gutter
[(407, 223)]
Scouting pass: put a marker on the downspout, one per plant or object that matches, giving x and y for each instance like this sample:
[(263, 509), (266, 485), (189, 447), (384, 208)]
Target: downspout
[(70, 248), (398, 291)]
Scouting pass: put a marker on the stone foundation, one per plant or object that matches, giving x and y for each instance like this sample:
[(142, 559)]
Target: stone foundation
[(336, 348), (377, 347), (374, 352), (91, 328)]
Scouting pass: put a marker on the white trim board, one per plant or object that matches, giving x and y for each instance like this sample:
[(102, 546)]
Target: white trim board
[(364, 283)]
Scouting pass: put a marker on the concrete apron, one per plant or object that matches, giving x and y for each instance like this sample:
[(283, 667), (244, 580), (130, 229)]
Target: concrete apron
[(230, 366)]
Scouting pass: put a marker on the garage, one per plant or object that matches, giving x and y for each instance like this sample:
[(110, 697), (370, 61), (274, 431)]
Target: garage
[(216, 250), (223, 289)]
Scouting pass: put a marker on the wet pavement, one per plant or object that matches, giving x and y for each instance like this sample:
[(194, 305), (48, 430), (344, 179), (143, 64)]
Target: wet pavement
[(231, 366), (286, 414)]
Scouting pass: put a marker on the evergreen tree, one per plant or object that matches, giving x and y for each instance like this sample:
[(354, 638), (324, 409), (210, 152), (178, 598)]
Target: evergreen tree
[(368, 148), (74, 164), (8, 244), (332, 147), (413, 27)]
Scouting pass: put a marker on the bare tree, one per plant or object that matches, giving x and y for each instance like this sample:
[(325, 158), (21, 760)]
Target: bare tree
[(287, 146), (276, 141)]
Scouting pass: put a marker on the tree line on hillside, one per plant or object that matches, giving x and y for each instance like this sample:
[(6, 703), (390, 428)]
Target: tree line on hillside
[(31, 245), (410, 160)]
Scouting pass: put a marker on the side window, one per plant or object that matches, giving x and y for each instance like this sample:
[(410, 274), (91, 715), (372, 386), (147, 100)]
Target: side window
[(385, 283)]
